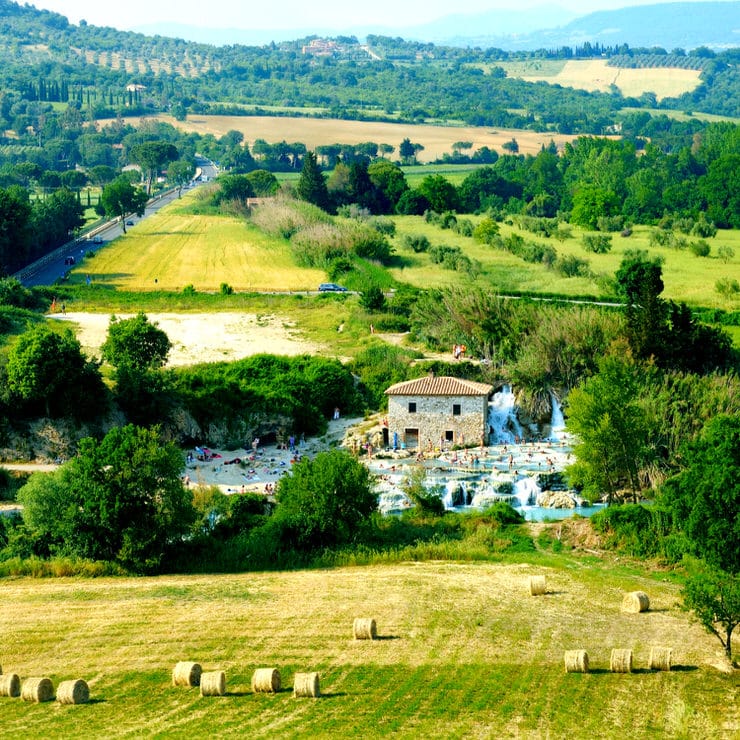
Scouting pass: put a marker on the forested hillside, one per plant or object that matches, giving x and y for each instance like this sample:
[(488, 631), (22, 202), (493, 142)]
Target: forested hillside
[(105, 72)]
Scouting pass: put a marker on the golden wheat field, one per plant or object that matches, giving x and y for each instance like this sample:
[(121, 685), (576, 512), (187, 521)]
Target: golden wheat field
[(595, 74), (313, 132)]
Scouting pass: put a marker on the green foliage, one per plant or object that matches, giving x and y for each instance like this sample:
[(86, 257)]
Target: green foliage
[(727, 287), (311, 186), (597, 243), (714, 597), (121, 499), (121, 198), (704, 498), (486, 231), (629, 527), (225, 289), (47, 371), (428, 502), (135, 343), (700, 248), (264, 183), (605, 415), (325, 502), (725, 253), (417, 242), (372, 299), (571, 266), (233, 188)]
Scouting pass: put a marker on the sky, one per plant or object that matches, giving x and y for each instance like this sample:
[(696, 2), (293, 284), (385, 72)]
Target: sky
[(287, 14)]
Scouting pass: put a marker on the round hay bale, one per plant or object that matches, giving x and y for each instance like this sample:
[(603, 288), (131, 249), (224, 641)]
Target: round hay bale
[(266, 680), (73, 692), (635, 602), (37, 690), (621, 661), (186, 673), (537, 585), (364, 629), (213, 683), (576, 661), (10, 684), (660, 659), (306, 684)]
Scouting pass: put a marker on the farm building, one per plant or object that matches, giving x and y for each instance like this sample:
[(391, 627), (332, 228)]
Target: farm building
[(437, 412)]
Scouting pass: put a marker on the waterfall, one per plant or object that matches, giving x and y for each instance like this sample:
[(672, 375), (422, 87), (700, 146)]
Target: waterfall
[(502, 418), (557, 421), (526, 491)]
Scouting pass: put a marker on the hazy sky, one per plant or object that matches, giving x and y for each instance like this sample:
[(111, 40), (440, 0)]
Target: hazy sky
[(298, 13)]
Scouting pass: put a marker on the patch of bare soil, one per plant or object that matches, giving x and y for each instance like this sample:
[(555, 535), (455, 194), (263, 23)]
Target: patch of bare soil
[(204, 337)]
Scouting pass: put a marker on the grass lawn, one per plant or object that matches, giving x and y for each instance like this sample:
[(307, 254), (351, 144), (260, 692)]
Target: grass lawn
[(464, 651)]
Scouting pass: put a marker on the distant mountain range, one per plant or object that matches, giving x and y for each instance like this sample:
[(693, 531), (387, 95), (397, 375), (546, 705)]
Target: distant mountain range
[(667, 25)]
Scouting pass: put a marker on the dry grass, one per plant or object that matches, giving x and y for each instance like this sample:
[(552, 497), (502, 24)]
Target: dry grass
[(595, 74), (454, 635), (313, 132)]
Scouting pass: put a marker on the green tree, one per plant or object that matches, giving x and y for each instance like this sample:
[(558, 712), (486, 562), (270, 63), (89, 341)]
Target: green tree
[(15, 215), (152, 156), (121, 500), (121, 198), (704, 498), (714, 597), (264, 183), (440, 192), (605, 415), (372, 299), (138, 349), (47, 371), (180, 173), (326, 501), (233, 187), (311, 186), (389, 179), (486, 231), (135, 343), (427, 502), (591, 202)]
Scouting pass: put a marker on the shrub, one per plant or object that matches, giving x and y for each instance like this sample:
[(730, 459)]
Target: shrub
[(700, 248), (597, 243), (486, 231), (572, 266), (610, 223), (226, 289), (725, 253), (703, 228), (464, 227), (417, 242), (727, 287), (189, 290)]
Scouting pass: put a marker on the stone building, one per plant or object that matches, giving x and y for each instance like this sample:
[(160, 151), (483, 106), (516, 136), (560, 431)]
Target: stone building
[(440, 412)]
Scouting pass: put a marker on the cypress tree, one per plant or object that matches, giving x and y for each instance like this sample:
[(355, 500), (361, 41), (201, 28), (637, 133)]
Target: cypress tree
[(312, 183)]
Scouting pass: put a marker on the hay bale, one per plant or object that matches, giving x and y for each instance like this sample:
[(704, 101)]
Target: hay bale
[(266, 680), (213, 683), (364, 629), (660, 659), (10, 684), (635, 602), (621, 661), (576, 661), (37, 690), (186, 673), (306, 684), (73, 692), (537, 585)]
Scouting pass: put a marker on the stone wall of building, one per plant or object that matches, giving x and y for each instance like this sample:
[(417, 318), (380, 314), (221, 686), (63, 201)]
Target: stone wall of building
[(436, 422)]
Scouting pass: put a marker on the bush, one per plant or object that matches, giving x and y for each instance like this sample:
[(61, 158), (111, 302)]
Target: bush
[(597, 243), (727, 287), (572, 266), (610, 223), (226, 289), (629, 527), (417, 242), (700, 248)]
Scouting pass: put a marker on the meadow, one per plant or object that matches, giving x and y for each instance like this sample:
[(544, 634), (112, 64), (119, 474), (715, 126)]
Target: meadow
[(178, 247), (463, 651)]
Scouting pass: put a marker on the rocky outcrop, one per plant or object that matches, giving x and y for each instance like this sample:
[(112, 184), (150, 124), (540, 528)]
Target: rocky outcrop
[(556, 500)]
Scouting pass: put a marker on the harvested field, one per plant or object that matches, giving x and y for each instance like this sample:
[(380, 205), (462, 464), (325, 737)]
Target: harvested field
[(313, 132), (463, 648)]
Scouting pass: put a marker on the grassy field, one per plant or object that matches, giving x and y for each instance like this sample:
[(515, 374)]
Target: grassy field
[(313, 132), (464, 651), (595, 74), (175, 248)]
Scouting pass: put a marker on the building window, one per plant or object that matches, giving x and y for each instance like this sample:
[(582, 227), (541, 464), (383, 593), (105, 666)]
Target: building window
[(412, 407), (449, 436), (456, 409)]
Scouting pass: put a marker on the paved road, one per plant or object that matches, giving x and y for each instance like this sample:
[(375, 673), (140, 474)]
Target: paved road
[(49, 273)]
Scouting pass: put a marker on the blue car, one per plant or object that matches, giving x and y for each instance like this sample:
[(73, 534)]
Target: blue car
[(331, 288)]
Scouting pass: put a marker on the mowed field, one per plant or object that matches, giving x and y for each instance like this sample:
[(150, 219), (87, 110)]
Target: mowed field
[(595, 74), (313, 132), (463, 651), (172, 249)]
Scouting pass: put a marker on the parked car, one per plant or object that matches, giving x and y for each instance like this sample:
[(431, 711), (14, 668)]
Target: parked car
[(70, 260), (129, 223), (332, 287)]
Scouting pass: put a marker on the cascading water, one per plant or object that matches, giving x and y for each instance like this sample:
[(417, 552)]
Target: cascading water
[(526, 491), (502, 418), (557, 420)]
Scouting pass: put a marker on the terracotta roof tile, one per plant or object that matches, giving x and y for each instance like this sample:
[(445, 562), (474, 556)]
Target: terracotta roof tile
[(439, 386)]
